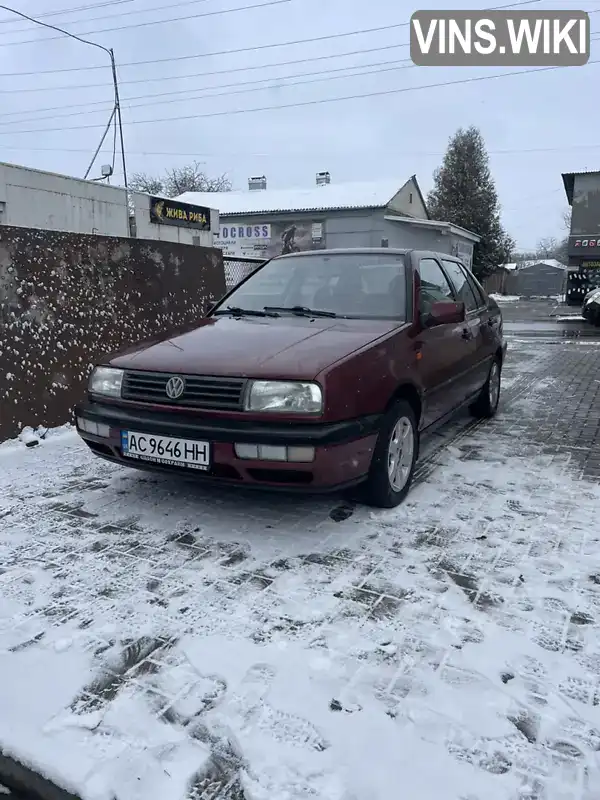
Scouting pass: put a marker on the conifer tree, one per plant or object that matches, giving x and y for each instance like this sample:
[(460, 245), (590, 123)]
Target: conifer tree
[(464, 194)]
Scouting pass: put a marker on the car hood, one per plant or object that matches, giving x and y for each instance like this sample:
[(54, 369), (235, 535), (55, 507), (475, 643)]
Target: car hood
[(289, 347)]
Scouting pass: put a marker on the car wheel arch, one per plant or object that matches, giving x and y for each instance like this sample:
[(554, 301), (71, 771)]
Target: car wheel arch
[(410, 393)]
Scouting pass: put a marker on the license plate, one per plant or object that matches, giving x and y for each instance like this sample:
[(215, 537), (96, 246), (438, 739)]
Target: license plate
[(165, 450)]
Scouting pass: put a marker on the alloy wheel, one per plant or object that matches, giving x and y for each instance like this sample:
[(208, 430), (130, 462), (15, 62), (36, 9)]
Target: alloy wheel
[(400, 453), (494, 384)]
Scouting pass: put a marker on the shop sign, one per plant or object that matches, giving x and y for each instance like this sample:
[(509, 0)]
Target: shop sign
[(171, 212), (584, 245), (244, 232)]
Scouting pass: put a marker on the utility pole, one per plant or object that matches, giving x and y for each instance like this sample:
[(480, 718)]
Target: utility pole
[(119, 120), (116, 107)]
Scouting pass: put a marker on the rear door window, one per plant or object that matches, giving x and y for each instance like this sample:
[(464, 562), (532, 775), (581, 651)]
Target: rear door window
[(475, 285)]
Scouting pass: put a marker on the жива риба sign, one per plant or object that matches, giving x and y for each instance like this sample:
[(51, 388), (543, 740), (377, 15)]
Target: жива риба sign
[(170, 212)]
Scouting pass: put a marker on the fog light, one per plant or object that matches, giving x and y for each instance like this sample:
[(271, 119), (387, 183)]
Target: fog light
[(95, 428), (268, 452), (246, 450), (301, 454)]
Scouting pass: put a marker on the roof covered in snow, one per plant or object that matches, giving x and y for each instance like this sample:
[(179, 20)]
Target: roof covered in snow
[(549, 262), (315, 198)]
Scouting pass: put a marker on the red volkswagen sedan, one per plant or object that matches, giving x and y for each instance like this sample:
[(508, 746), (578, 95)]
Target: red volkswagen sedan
[(320, 371)]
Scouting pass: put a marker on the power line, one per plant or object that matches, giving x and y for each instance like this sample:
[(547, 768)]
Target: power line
[(154, 22), (63, 11), (230, 70), (305, 103), (119, 15), (211, 73), (234, 51), (387, 66), (250, 49), (413, 154)]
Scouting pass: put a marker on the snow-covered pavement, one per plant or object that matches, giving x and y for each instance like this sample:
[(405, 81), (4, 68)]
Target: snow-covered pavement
[(161, 640)]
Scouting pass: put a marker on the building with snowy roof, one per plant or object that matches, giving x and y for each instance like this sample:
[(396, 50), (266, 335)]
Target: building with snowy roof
[(541, 277), (260, 222)]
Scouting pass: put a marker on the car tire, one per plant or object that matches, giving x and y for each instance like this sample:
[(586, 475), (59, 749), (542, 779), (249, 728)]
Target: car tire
[(486, 405), (394, 459)]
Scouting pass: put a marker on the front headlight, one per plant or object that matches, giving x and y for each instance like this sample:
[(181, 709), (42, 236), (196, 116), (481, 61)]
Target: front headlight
[(106, 381), (285, 397)]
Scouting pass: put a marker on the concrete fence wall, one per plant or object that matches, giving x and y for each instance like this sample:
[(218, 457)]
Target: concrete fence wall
[(67, 299), (31, 198)]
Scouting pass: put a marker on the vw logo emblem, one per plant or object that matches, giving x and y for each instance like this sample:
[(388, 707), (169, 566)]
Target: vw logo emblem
[(174, 388)]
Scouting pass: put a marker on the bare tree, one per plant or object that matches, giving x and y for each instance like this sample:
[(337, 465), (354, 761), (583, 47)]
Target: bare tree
[(191, 178), (178, 180), (566, 218), (141, 182), (547, 247), (562, 251)]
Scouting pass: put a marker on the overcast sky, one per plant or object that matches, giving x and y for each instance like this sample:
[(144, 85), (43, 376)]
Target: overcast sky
[(535, 126)]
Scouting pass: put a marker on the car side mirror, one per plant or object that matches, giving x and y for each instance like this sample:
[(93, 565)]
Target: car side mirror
[(446, 313)]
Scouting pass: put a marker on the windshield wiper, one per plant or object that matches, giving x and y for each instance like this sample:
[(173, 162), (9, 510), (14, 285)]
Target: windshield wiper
[(236, 311), (302, 311)]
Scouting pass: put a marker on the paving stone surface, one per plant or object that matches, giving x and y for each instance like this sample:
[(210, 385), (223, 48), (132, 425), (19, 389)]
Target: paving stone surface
[(467, 621)]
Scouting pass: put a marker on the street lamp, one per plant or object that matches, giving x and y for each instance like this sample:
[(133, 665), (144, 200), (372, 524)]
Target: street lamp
[(117, 105)]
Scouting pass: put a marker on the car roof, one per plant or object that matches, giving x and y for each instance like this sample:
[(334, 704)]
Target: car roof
[(403, 251)]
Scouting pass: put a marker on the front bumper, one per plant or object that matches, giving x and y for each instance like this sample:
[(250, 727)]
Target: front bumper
[(343, 450)]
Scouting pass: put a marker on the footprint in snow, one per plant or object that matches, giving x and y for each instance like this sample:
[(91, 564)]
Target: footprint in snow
[(250, 703)]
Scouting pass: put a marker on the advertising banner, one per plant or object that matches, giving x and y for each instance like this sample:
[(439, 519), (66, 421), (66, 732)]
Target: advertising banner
[(269, 239), (244, 240)]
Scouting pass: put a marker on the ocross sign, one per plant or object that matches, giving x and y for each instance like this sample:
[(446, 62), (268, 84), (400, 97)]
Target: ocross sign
[(244, 232), (239, 240)]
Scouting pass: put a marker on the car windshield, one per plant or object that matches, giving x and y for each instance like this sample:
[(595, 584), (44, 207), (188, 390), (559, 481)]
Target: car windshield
[(352, 285)]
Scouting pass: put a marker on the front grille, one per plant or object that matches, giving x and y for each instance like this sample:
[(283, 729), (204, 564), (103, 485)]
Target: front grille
[(201, 391)]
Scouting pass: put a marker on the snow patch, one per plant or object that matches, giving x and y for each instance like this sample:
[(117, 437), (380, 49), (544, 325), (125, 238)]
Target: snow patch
[(505, 298)]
